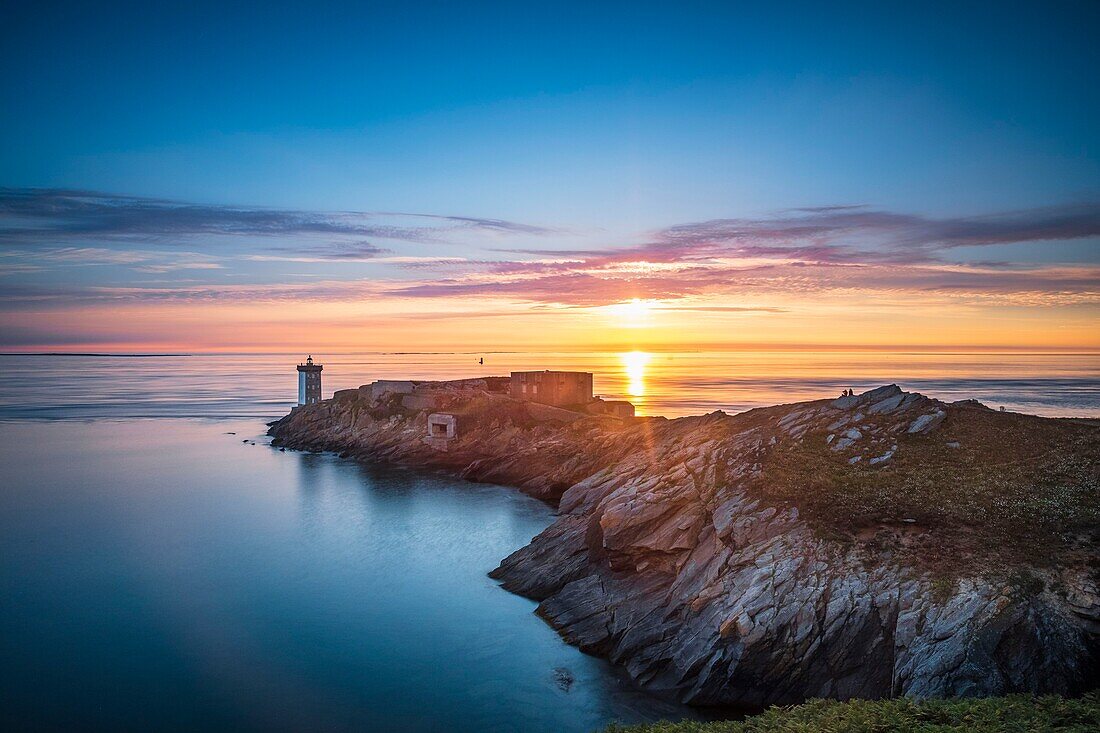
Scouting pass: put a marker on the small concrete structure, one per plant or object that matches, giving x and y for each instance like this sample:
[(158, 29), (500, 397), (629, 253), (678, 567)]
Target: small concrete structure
[(615, 408), (560, 389), (442, 428)]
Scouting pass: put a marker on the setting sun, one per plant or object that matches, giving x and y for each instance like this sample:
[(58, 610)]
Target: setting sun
[(633, 313)]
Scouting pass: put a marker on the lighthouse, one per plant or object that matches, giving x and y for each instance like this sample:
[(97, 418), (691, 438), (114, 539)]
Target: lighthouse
[(309, 382)]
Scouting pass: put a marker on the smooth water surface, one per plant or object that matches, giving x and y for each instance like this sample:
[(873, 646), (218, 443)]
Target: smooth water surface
[(162, 574), (670, 384), (162, 567)]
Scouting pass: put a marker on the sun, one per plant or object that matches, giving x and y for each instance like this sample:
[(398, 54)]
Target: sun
[(637, 308), (633, 313)]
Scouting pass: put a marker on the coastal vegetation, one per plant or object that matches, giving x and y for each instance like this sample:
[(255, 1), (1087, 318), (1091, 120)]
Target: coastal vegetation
[(984, 489), (1049, 713)]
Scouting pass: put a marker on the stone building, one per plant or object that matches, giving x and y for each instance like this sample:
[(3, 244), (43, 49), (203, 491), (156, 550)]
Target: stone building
[(560, 389)]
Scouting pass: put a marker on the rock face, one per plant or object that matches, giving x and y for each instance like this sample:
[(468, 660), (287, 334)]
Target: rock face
[(674, 556)]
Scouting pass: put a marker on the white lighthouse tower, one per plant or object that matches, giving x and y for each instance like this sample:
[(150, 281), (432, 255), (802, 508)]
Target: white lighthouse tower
[(309, 382)]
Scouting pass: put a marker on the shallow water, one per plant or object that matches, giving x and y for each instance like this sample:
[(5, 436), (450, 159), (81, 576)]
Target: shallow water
[(162, 574)]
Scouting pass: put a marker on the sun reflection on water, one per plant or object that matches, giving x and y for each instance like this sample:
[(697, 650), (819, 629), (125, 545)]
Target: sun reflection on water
[(634, 363)]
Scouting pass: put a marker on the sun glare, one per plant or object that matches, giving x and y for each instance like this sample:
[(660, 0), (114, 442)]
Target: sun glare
[(633, 313), (634, 363)]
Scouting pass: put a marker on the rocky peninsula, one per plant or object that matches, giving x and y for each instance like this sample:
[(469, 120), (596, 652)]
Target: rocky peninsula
[(877, 545)]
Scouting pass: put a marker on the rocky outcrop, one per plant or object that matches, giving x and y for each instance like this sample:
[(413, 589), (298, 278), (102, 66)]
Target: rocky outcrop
[(702, 556)]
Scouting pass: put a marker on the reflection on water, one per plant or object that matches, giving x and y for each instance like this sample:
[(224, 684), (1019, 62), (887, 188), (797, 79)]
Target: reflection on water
[(634, 363), (662, 383), (162, 574)]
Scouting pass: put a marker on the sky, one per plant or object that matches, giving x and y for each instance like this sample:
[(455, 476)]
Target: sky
[(559, 176)]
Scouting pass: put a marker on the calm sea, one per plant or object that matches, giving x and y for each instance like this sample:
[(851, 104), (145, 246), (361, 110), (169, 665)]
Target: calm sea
[(671, 384), (162, 567)]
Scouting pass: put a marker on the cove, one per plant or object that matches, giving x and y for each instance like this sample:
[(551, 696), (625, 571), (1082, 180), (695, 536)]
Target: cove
[(171, 574)]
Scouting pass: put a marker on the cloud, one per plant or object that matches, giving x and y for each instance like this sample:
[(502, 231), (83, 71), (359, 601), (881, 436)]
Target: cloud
[(811, 249), (840, 234), (32, 217), (845, 234), (332, 252), (321, 291), (137, 260), (718, 265), (500, 225)]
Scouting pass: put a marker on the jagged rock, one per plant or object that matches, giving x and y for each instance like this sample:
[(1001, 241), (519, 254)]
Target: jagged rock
[(881, 459), (669, 558), (843, 444), (927, 422)]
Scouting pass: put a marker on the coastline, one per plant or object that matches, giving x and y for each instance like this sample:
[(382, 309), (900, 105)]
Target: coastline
[(675, 556)]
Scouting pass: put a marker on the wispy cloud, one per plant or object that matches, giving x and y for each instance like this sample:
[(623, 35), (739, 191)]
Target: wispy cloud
[(33, 217), (859, 233), (331, 252), (137, 260), (720, 265), (810, 249)]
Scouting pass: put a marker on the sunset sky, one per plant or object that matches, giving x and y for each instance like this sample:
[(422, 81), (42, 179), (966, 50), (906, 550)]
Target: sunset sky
[(350, 177)]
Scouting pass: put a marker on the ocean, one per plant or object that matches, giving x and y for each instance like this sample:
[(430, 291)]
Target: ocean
[(163, 567), (659, 383)]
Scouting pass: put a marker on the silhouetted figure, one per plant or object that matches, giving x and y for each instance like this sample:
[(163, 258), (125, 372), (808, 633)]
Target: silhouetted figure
[(481, 360)]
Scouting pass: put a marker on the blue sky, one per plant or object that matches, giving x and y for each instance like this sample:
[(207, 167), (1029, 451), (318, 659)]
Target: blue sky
[(656, 115), (598, 126)]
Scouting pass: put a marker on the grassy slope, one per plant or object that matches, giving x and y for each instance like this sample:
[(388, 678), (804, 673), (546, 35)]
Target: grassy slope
[(979, 715), (1018, 488)]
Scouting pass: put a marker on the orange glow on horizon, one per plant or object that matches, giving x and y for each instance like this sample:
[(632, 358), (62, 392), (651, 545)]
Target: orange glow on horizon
[(471, 324)]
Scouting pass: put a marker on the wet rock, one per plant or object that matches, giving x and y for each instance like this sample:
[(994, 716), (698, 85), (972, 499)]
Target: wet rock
[(563, 678)]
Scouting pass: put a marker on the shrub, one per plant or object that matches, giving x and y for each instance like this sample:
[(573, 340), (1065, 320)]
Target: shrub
[(1011, 714)]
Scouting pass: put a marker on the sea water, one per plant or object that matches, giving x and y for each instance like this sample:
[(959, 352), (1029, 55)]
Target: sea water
[(163, 567)]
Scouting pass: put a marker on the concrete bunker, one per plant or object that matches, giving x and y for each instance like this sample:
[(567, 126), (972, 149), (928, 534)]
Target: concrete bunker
[(442, 426)]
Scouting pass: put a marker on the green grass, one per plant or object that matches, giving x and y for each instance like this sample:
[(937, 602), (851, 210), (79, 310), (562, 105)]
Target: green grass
[(1012, 714)]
